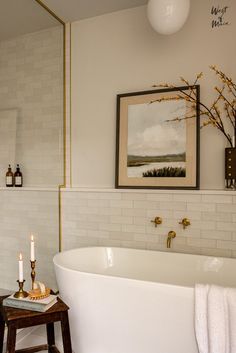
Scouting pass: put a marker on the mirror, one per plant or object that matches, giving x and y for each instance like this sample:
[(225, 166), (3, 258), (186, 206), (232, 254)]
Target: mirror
[(31, 135)]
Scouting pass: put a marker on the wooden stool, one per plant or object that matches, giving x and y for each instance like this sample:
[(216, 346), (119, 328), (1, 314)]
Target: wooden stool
[(19, 318)]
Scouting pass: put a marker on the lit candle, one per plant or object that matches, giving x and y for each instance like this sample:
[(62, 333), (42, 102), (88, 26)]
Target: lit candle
[(21, 275), (32, 253)]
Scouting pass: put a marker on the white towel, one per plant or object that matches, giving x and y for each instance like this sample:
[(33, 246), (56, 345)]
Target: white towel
[(215, 319), (218, 320), (201, 330), (231, 299)]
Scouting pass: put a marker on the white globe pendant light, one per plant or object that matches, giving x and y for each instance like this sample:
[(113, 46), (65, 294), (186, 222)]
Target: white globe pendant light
[(168, 16)]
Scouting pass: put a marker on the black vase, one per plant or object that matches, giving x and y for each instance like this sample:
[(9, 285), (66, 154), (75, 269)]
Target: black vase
[(230, 168)]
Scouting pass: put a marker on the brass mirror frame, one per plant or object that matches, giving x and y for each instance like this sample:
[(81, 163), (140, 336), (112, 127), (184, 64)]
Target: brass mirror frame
[(63, 185)]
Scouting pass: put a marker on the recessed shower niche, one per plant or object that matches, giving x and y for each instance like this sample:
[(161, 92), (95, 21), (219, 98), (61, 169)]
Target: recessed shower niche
[(31, 93), (31, 135)]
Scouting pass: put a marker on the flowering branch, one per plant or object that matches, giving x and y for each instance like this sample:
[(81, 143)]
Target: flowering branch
[(224, 106)]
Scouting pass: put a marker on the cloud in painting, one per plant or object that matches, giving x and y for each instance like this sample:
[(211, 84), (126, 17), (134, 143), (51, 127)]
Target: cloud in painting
[(148, 132), (157, 140)]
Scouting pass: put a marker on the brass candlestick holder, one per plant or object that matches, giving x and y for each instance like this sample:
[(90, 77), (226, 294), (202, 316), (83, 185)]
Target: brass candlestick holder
[(21, 293), (33, 274)]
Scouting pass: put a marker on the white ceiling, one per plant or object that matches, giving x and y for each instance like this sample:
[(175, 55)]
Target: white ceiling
[(72, 10), (18, 17)]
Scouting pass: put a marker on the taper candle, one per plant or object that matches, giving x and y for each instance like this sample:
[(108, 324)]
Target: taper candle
[(21, 275), (32, 253)]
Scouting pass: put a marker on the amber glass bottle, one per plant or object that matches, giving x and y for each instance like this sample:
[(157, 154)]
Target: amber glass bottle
[(18, 177), (9, 177)]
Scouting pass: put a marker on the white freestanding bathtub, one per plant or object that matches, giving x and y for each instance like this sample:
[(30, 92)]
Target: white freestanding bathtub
[(135, 301)]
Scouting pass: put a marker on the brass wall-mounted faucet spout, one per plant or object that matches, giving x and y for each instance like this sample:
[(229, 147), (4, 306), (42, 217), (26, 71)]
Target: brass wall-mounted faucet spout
[(171, 235)]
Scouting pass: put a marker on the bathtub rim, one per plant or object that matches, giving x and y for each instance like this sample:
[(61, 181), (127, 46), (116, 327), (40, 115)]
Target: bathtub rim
[(125, 279), (90, 274)]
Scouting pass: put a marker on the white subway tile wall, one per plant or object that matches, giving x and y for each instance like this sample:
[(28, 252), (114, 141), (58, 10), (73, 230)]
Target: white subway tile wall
[(123, 218), (31, 81), (23, 213)]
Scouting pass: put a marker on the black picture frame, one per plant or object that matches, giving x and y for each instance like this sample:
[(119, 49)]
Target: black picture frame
[(139, 103)]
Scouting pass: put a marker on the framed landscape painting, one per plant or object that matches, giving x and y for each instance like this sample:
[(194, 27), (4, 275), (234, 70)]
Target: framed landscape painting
[(157, 142)]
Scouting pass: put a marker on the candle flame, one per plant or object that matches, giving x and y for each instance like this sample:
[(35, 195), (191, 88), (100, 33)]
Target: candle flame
[(20, 257), (32, 237)]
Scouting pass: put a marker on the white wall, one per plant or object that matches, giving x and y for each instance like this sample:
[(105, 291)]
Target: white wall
[(31, 82), (22, 213), (123, 218), (120, 52), (31, 85), (8, 121)]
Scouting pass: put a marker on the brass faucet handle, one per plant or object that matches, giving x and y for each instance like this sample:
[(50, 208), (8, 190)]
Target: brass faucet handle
[(185, 222), (157, 221)]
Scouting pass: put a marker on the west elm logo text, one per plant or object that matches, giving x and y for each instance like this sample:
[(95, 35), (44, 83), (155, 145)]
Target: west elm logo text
[(218, 14)]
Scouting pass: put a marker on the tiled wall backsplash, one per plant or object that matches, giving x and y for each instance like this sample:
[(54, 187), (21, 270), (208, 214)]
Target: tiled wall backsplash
[(21, 213), (31, 82), (110, 218), (123, 218)]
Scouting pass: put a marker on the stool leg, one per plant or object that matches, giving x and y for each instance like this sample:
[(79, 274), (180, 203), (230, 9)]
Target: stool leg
[(11, 339), (50, 336), (65, 329), (2, 328)]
